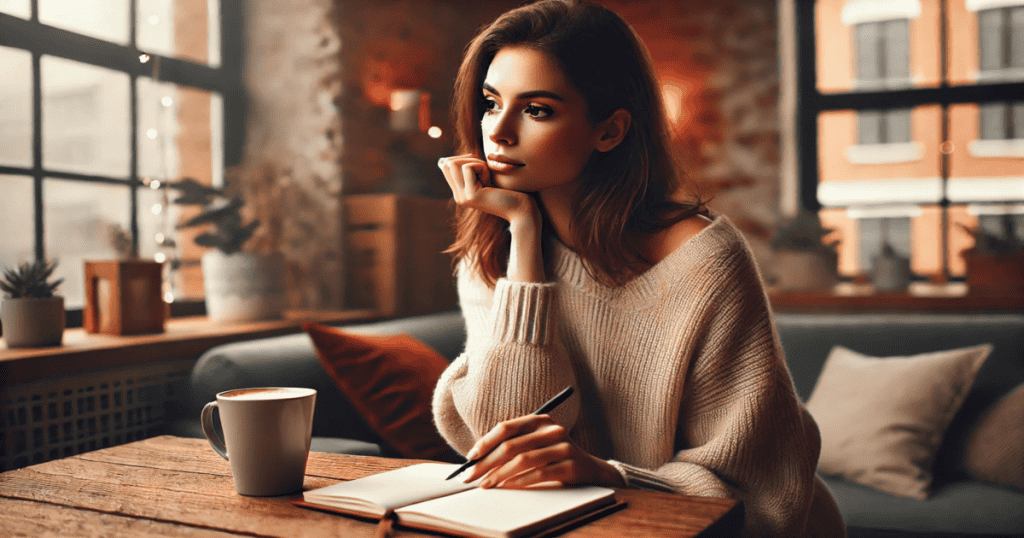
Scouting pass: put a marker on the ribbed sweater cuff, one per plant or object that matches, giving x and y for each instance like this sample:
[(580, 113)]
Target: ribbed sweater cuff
[(635, 477), (523, 311)]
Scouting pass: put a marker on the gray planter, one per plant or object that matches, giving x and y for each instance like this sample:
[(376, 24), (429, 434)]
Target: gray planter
[(33, 322), (243, 286)]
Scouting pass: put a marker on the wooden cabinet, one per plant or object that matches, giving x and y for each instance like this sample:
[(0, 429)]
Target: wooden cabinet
[(394, 259)]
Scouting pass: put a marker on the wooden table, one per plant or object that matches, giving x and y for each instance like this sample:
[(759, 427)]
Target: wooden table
[(170, 486)]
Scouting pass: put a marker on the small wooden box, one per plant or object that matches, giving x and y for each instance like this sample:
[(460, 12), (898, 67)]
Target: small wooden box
[(394, 256), (124, 297)]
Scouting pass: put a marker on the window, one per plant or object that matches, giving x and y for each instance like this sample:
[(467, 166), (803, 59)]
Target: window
[(909, 124), (101, 102)]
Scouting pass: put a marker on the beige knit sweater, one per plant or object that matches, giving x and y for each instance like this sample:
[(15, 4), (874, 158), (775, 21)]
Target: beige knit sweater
[(680, 378)]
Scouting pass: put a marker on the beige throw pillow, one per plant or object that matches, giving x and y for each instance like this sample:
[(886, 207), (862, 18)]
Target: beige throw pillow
[(995, 449), (882, 419)]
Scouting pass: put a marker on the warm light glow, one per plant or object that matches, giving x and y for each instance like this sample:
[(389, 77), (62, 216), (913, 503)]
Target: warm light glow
[(160, 257), (154, 20), (673, 95), (156, 209), (155, 184), (159, 237), (151, 134), (167, 101), (434, 132), (168, 297), (143, 58)]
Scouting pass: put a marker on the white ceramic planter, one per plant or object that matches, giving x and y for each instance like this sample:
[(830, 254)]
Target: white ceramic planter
[(804, 271), (33, 322), (243, 286)]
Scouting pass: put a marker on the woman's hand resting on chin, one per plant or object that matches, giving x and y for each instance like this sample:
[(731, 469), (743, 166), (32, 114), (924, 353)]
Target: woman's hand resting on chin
[(470, 181), (533, 450)]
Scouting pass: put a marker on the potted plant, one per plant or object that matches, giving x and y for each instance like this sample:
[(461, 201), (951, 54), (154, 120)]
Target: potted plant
[(239, 286), (31, 314), (995, 264), (803, 261)]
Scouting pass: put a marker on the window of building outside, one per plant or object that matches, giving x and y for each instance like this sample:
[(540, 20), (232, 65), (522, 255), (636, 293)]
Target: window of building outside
[(101, 103), (914, 126)]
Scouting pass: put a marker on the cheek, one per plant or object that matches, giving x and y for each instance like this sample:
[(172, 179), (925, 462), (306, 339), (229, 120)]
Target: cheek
[(567, 146)]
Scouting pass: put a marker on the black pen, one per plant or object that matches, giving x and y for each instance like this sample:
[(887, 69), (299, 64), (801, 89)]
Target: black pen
[(544, 409)]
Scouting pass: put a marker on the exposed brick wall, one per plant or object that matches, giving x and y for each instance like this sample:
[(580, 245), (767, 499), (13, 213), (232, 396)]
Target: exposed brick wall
[(320, 73)]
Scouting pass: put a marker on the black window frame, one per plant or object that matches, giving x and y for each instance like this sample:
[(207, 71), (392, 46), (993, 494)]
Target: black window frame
[(41, 39), (811, 102)]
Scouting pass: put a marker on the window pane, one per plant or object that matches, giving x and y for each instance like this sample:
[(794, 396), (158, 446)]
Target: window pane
[(897, 126), (85, 118), (992, 121), (872, 45), (983, 167), (1018, 120), (897, 51), (868, 59), (18, 8), (15, 107), (105, 19), (904, 171), (869, 127), (186, 29), (990, 41), (79, 218), (179, 132), (17, 225), (1017, 37)]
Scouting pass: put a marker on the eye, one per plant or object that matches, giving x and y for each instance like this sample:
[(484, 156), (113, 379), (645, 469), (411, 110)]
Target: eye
[(491, 106), (538, 111)]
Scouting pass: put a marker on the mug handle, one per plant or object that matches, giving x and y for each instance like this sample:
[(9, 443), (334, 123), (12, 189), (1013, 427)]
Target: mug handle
[(210, 433)]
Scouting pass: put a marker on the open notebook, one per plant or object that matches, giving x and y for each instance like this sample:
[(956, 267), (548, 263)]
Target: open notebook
[(422, 498)]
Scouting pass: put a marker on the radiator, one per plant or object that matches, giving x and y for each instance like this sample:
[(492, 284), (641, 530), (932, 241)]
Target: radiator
[(58, 417)]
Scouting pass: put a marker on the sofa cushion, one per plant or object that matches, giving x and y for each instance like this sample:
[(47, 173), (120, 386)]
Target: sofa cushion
[(963, 508), (390, 380), (995, 449), (882, 419)]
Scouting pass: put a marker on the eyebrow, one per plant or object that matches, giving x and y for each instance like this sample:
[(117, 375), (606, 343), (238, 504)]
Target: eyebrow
[(527, 95)]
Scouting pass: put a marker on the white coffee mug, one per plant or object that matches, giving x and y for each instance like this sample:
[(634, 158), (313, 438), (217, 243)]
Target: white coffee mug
[(267, 432)]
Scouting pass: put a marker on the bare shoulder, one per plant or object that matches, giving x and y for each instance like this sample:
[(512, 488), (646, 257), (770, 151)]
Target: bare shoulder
[(668, 240)]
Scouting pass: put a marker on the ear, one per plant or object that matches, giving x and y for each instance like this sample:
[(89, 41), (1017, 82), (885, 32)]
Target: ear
[(612, 130)]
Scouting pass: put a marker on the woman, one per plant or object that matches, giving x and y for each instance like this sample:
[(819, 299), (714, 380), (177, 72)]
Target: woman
[(583, 262)]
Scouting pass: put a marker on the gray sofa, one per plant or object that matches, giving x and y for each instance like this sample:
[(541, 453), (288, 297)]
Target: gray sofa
[(958, 506)]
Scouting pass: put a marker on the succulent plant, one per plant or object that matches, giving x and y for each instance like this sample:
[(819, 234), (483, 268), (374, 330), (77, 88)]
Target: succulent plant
[(805, 234), (30, 279), (1005, 243), (223, 211)]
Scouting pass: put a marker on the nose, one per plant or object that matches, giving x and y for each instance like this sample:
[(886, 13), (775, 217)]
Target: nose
[(503, 130)]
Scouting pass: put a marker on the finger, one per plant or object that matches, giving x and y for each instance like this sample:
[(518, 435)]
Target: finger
[(507, 450), (555, 475), (469, 176), (525, 461), (506, 430), (453, 183)]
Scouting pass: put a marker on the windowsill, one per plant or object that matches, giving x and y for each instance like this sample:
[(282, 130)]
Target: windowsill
[(1009, 74), (1009, 148), (902, 152), (182, 338), (920, 297)]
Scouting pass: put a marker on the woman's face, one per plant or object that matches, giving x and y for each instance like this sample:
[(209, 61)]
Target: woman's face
[(536, 134)]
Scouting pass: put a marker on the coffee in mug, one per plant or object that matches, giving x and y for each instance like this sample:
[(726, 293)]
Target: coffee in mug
[(267, 432)]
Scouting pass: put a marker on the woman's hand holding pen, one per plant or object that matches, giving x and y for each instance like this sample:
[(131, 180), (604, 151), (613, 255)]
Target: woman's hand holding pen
[(532, 450), (469, 179)]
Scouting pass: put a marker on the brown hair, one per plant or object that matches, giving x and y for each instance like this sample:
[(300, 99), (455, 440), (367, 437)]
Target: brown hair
[(623, 193)]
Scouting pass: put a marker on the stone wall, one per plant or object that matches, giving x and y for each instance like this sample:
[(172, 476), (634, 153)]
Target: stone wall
[(321, 73)]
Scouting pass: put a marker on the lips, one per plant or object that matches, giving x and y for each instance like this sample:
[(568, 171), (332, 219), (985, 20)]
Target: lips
[(499, 163)]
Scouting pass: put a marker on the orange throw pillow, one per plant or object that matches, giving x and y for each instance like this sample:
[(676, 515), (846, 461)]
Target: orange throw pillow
[(390, 380)]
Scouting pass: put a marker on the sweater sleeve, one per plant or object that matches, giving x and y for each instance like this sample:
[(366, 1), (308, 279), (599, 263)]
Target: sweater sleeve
[(512, 363), (742, 432)]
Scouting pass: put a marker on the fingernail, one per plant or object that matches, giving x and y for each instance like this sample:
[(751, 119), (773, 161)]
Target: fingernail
[(473, 453), (440, 162)]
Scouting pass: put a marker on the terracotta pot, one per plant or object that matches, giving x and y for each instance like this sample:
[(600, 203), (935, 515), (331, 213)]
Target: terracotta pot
[(243, 286), (33, 321), (989, 274)]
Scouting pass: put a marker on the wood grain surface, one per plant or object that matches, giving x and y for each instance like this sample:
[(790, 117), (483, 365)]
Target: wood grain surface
[(169, 486)]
